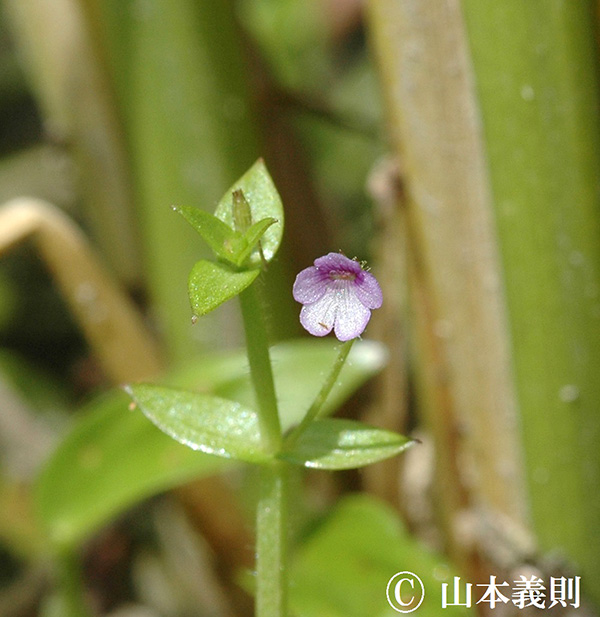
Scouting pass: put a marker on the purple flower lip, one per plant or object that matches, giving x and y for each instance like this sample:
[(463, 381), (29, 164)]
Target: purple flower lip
[(336, 294)]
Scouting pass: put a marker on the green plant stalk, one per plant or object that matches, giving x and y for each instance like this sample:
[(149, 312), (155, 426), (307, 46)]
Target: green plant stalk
[(271, 541), (271, 514), (539, 107), (313, 413), (260, 368)]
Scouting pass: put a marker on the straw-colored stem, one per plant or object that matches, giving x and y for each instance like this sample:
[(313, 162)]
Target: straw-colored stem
[(464, 373), (108, 319)]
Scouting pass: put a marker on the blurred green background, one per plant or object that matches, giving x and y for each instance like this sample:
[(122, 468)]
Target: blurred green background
[(453, 145)]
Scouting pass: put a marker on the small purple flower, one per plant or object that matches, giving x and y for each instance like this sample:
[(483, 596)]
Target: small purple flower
[(337, 294)]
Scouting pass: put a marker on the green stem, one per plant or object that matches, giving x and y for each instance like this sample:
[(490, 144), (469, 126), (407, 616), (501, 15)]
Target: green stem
[(314, 410), (271, 513), (260, 368), (271, 541)]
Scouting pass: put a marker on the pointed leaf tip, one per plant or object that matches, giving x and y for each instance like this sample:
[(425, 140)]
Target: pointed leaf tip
[(224, 241), (334, 443), (265, 203)]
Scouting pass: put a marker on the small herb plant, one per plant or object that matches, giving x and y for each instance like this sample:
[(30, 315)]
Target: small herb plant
[(337, 294)]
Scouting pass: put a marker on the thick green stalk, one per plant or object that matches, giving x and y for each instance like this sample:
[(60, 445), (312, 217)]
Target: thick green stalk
[(539, 101), (271, 541)]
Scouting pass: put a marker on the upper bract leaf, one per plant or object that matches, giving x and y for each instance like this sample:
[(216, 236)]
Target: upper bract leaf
[(202, 422), (334, 443), (222, 239), (252, 237), (263, 198)]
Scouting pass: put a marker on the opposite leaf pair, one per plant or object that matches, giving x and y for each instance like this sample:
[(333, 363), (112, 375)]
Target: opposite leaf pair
[(244, 233), (225, 428), (228, 244)]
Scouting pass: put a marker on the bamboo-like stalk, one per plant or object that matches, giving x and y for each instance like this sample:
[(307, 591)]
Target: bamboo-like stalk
[(539, 103), (108, 319), (457, 292), (179, 74)]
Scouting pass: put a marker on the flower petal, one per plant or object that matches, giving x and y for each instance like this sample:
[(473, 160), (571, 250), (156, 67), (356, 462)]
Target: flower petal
[(310, 285), (352, 316), (318, 318), (368, 291), (334, 262)]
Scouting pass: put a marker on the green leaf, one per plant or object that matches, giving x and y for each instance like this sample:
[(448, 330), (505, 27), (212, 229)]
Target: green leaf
[(252, 237), (343, 568), (227, 243), (334, 443), (204, 422), (224, 241), (211, 284), (263, 198)]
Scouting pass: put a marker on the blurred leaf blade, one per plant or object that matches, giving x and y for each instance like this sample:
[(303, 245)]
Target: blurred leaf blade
[(342, 570), (70, 80), (112, 459), (179, 75)]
